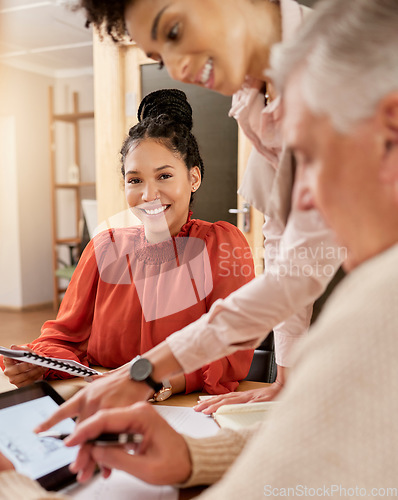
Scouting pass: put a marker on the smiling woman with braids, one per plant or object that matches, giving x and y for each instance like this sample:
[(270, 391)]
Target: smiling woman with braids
[(135, 286)]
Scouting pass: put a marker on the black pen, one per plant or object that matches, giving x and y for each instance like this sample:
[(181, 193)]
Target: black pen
[(106, 439)]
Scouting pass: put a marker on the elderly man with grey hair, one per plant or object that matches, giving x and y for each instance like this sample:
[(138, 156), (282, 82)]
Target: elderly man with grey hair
[(334, 431)]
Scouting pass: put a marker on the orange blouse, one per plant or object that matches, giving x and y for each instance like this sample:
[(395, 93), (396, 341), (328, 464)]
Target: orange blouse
[(127, 295)]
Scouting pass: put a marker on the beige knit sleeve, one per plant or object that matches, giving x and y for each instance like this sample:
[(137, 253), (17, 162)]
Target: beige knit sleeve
[(212, 456), (14, 486)]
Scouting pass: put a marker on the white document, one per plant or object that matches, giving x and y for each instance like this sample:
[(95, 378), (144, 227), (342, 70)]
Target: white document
[(188, 421), (206, 398), (123, 486), (120, 486)]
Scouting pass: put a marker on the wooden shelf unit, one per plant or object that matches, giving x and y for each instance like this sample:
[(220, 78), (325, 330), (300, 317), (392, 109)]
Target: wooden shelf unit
[(75, 240)]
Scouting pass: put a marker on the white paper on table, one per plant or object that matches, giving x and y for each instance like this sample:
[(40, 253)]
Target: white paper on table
[(123, 486), (188, 421), (205, 398), (120, 486)]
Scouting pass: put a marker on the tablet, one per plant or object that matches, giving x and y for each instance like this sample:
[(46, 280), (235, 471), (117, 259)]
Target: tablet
[(43, 459)]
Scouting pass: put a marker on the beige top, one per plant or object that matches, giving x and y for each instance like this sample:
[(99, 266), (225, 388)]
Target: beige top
[(14, 486), (336, 426)]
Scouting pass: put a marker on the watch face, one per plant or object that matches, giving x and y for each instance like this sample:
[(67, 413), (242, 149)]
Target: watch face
[(163, 394), (141, 369)]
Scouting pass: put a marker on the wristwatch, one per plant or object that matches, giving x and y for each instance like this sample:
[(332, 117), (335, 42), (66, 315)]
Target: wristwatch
[(141, 370), (165, 392)]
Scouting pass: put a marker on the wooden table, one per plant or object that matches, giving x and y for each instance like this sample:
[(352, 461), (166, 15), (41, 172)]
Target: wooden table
[(192, 399)]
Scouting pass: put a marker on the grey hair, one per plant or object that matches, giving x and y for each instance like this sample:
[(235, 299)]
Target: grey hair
[(348, 53)]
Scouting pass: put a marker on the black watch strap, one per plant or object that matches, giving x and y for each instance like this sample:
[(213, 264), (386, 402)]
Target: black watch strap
[(141, 370), (156, 386)]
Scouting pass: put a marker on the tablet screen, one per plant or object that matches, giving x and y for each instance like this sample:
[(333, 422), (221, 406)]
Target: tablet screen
[(34, 456)]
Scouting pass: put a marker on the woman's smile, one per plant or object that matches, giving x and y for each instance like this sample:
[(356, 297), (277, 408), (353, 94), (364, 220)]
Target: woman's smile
[(206, 75), (158, 188), (152, 208)]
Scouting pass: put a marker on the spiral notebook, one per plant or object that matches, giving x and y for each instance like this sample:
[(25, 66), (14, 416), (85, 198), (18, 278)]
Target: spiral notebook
[(63, 365)]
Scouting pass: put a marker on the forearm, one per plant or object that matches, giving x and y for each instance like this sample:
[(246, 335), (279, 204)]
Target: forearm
[(212, 456), (164, 363), (305, 259), (177, 383), (282, 373), (243, 319), (288, 333)]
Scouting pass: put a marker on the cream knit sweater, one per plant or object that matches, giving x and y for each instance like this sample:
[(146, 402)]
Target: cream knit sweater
[(335, 432)]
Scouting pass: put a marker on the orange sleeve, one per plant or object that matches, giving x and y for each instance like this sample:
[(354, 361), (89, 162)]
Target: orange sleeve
[(232, 267), (67, 336)]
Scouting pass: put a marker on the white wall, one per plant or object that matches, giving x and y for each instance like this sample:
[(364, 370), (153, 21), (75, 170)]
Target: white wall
[(10, 256), (23, 97), (26, 255)]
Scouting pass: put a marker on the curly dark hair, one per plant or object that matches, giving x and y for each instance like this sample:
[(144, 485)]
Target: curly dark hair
[(166, 116), (109, 14)]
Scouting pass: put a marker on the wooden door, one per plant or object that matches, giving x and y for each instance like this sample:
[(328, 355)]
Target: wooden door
[(254, 236)]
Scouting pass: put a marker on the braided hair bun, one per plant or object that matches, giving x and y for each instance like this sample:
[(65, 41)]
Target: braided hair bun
[(170, 102), (166, 116)]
